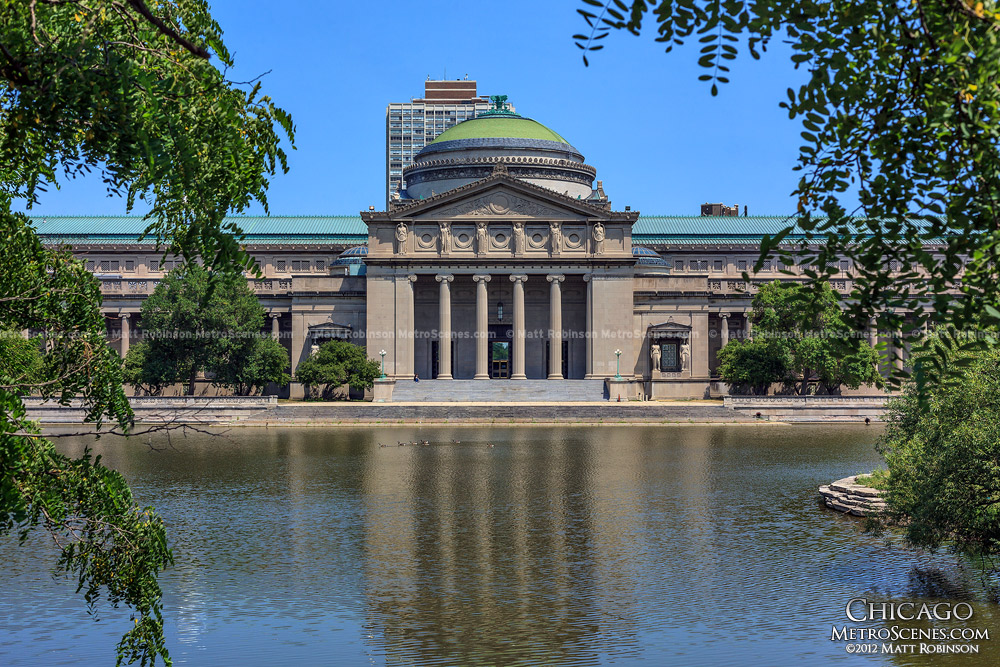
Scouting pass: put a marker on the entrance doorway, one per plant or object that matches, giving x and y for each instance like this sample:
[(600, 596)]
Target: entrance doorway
[(565, 358), (436, 357), (500, 360)]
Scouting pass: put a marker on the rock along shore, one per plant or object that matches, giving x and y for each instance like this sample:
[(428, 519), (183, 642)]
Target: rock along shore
[(847, 496)]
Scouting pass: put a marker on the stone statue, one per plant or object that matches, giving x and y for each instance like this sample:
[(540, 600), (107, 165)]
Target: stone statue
[(481, 245), (519, 237), (654, 357), (685, 356), (556, 233), (401, 238), (445, 237), (599, 238), (314, 348)]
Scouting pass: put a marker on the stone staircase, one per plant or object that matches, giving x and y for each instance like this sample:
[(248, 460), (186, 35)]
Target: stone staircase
[(501, 391)]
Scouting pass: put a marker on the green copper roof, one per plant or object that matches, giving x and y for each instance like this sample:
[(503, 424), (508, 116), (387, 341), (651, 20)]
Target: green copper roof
[(499, 127), (351, 230), (258, 229)]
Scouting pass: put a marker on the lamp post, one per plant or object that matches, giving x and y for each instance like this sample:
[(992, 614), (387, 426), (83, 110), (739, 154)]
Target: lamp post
[(618, 364), (382, 353)]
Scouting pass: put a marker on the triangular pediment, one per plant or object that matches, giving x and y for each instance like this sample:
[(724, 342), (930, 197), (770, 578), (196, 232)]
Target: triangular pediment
[(499, 197), (669, 329)]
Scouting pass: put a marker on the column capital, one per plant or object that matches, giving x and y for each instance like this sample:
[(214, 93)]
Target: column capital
[(412, 277), (482, 277), (555, 277), (444, 277), (725, 316), (274, 314), (587, 277), (124, 316), (518, 278)]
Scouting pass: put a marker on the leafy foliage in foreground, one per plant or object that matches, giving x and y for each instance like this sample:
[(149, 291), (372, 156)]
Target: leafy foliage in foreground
[(804, 344), (337, 363), (943, 458), (901, 106), (131, 89), (192, 329), (112, 547)]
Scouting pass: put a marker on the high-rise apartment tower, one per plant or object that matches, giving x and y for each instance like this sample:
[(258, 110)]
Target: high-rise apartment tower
[(409, 126)]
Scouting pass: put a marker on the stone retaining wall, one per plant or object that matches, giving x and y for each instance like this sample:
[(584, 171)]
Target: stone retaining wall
[(163, 409), (811, 408), (846, 496)]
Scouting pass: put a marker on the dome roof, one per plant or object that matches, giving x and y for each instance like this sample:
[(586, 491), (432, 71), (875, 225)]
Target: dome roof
[(355, 255), (647, 257), (499, 126), (469, 152)]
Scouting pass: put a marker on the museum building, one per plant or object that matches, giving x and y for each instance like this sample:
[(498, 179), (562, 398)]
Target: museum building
[(503, 258)]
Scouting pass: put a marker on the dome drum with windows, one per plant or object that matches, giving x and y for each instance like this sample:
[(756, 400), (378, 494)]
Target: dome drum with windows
[(470, 150)]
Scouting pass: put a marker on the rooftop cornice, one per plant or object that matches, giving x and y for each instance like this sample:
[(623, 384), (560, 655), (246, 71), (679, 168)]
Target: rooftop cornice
[(508, 160)]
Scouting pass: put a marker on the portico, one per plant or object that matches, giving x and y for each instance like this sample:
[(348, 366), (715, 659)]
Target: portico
[(495, 280)]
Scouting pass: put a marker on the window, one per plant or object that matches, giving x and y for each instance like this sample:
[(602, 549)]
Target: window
[(300, 265), (109, 265), (90, 265), (844, 265), (279, 265), (718, 265), (766, 266), (741, 265), (130, 265), (154, 265), (320, 265), (679, 265)]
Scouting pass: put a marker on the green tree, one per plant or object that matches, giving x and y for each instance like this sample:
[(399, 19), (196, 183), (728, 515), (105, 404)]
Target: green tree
[(943, 456), (21, 360), (114, 548), (133, 91), (148, 374), (799, 335), (335, 364), (248, 367), (753, 365), (195, 325), (898, 112)]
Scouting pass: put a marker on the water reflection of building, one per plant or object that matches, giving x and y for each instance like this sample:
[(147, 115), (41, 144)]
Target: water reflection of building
[(476, 553)]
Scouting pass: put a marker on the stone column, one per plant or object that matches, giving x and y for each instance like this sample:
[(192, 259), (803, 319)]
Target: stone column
[(275, 325), (409, 343), (699, 345), (482, 328), (444, 327), (589, 372), (873, 331), (126, 334), (749, 327), (724, 329), (519, 337), (555, 326)]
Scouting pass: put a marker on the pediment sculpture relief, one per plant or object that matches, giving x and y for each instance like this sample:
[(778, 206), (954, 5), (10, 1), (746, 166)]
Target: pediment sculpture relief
[(500, 203)]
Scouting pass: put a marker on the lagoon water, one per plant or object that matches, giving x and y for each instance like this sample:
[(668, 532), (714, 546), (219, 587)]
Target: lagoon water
[(696, 545)]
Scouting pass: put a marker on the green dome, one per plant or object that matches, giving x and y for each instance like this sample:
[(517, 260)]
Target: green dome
[(508, 126)]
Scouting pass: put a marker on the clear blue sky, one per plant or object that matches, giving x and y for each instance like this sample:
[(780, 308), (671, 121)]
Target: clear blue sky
[(659, 141)]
